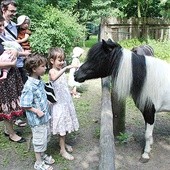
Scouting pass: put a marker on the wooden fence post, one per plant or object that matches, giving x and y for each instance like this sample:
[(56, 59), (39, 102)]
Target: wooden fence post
[(107, 148)]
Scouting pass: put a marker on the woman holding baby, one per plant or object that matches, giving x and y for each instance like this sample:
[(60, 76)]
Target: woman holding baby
[(10, 91)]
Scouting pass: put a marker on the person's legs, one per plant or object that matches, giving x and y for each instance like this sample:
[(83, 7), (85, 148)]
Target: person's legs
[(4, 74), (63, 151), (23, 74), (40, 134), (74, 90), (12, 134), (38, 157), (40, 164)]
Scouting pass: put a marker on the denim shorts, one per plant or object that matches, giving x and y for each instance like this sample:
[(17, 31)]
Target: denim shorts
[(41, 136)]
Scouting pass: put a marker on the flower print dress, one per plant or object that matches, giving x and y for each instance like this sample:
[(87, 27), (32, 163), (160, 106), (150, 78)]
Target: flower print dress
[(64, 118), (10, 92)]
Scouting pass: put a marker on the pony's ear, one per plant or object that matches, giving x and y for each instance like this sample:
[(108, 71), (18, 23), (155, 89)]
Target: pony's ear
[(104, 44), (109, 44)]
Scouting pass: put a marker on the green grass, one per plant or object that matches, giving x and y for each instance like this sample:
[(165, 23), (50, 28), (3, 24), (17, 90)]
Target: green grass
[(161, 49), (89, 43)]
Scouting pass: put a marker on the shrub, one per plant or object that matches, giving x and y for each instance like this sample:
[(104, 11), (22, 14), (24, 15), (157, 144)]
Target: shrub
[(58, 28), (161, 49)]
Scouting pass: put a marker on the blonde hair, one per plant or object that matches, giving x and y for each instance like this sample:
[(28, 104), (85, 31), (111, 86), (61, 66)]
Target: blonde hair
[(54, 53)]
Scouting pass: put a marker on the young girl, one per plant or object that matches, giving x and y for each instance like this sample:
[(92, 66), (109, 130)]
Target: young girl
[(64, 119), (34, 101), (77, 52)]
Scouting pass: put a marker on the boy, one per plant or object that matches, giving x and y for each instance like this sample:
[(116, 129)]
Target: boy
[(34, 101)]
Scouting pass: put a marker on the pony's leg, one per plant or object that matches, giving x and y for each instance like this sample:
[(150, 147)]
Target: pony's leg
[(148, 140), (149, 116)]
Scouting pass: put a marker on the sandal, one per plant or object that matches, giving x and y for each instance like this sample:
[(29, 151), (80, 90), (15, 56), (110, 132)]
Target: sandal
[(76, 96), (20, 123), (48, 159), (42, 166), (17, 132), (69, 148), (67, 156)]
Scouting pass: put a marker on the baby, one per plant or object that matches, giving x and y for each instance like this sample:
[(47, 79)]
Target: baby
[(6, 56)]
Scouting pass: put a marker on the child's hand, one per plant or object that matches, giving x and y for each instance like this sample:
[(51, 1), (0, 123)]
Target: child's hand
[(70, 66), (13, 62), (13, 54), (27, 52), (40, 113)]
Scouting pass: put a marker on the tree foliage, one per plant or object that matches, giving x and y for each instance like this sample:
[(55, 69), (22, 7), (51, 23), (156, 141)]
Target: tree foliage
[(53, 25), (58, 28)]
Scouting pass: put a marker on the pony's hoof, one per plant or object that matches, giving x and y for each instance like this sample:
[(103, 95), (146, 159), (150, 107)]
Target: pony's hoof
[(143, 160)]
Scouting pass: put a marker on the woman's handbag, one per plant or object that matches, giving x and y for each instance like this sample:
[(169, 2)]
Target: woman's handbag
[(50, 92)]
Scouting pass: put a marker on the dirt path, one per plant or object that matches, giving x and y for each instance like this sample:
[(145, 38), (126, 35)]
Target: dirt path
[(86, 143), (128, 155)]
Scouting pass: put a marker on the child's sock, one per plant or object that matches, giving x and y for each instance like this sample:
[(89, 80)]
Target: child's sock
[(4, 75)]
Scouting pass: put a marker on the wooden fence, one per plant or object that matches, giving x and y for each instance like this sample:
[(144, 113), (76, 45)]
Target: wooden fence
[(120, 29)]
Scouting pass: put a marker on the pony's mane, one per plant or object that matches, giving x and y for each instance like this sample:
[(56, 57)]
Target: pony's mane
[(123, 79), (95, 51)]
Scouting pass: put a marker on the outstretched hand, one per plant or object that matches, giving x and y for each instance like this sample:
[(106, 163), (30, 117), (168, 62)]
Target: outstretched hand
[(71, 66)]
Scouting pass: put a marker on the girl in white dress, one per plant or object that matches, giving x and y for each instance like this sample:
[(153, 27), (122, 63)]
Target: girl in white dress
[(64, 119), (77, 52)]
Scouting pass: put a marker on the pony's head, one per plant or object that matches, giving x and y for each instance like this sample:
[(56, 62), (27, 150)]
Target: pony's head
[(98, 62)]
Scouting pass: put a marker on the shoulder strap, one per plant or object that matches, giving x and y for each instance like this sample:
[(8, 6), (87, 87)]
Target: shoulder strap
[(1, 40), (10, 32)]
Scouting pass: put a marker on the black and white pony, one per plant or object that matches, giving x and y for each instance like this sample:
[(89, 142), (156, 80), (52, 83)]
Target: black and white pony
[(146, 79), (143, 50)]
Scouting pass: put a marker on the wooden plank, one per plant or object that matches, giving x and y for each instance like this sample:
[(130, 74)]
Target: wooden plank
[(107, 148)]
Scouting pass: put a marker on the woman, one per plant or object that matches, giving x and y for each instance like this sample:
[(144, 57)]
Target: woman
[(10, 91)]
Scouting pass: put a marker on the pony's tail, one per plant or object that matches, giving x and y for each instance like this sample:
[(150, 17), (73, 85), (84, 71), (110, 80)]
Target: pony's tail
[(123, 79)]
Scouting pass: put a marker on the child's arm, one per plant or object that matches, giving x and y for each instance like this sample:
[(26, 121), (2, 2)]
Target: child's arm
[(54, 75), (38, 112), (27, 99), (23, 39), (24, 52)]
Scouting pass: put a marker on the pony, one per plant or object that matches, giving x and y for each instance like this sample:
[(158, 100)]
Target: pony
[(146, 79), (143, 50)]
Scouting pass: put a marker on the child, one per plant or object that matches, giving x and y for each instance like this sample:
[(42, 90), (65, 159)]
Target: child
[(77, 52), (34, 101), (64, 119), (23, 23), (7, 57)]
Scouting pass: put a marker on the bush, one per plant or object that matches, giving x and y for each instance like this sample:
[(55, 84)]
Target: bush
[(58, 28), (161, 49)]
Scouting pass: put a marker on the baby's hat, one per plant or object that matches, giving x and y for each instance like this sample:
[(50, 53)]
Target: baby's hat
[(77, 52), (21, 19)]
